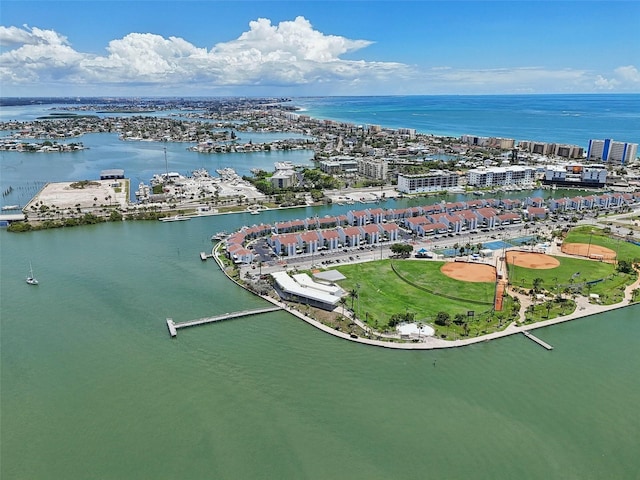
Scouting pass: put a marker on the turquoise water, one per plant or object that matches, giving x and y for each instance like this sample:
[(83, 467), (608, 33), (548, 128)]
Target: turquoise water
[(93, 387), (573, 119)]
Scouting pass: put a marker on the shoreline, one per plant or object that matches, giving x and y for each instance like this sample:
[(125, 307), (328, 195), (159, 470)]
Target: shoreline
[(583, 309)]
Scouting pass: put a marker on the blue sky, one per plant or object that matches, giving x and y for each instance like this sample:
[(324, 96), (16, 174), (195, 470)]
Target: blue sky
[(297, 48)]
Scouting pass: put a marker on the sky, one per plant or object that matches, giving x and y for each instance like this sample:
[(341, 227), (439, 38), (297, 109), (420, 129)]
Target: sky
[(317, 47)]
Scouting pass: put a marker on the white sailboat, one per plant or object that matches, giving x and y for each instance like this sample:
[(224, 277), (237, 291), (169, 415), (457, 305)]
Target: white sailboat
[(31, 280)]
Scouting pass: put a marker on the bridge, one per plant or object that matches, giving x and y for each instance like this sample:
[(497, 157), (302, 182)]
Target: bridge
[(173, 326)]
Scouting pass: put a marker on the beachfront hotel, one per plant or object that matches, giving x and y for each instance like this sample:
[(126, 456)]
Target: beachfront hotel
[(608, 150)]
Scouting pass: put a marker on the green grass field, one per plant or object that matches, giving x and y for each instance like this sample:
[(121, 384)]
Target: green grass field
[(575, 271), (596, 236), (571, 270), (383, 293)]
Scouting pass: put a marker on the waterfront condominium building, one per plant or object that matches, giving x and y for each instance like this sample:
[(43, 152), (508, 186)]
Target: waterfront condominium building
[(433, 181), (608, 150), (493, 176), (560, 150), (576, 175), (488, 142)]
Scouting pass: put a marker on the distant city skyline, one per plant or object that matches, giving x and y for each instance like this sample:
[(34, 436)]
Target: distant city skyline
[(302, 48)]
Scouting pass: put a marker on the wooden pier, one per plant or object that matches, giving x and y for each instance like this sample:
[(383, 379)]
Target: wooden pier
[(173, 327), (537, 340)]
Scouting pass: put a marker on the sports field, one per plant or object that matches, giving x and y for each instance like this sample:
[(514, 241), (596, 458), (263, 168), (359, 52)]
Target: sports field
[(415, 286)]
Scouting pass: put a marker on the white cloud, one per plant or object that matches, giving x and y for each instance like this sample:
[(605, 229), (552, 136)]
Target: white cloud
[(289, 57), (628, 73), (30, 36), (290, 53)]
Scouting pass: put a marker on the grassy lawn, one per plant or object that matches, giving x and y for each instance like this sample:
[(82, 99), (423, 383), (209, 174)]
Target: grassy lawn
[(570, 271), (382, 293), (626, 250), (549, 309)]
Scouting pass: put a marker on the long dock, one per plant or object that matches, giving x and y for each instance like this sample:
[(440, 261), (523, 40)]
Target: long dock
[(173, 326), (537, 340)]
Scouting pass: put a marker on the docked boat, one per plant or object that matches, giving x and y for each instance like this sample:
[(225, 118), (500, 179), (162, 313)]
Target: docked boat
[(10, 207), (218, 237), (175, 218)]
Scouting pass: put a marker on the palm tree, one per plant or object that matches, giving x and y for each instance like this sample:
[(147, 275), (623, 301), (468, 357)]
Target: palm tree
[(343, 302), (536, 283), (353, 293)]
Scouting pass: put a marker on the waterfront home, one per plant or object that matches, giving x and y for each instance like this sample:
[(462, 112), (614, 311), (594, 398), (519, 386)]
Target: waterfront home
[(536, 202), (357, 218), (239, 254), (476, 203), (376, 215), (327, 222), (509, 204)]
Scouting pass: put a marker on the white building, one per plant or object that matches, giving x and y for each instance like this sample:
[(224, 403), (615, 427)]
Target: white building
[(489, 142), (576, 174), (433, 181), (493, 176), (609, 150), (339, 165), (559, 150)]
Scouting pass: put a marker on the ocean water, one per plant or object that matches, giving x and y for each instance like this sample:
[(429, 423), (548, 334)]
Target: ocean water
[(568, 119), (92, 386)]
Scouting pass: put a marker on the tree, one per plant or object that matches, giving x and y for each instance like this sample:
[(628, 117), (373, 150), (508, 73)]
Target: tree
[(443, 319), (548, 304), (401, 249), (536, 284), (353, 293)]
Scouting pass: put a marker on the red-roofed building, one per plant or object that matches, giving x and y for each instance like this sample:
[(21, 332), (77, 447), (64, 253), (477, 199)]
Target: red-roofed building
[(536, 212), (310, 241), (350, 236), (508, 219), (371, 233), (486, 217), (329, 239), (286, 244), (390, 231)]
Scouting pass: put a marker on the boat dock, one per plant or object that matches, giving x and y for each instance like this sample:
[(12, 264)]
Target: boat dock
[(203, 256), (537, 340), (173, 326)]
